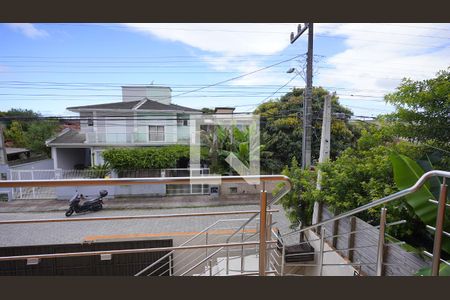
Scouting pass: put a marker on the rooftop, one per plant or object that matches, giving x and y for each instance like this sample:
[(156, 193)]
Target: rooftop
[(138, 105), (68, 136)]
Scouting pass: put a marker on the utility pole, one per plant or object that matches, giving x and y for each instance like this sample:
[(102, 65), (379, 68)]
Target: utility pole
[(307, 98), (325, 148)]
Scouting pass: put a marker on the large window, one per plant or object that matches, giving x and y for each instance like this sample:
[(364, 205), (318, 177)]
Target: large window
[(156, 133)]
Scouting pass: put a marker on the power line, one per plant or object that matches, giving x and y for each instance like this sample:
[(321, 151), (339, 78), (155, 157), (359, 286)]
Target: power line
[(250, 31)]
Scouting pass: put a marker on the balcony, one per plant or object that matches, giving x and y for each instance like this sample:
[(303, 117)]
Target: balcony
[(136, 138)]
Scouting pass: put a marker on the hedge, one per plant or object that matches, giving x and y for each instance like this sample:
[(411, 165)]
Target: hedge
[(145, 158)]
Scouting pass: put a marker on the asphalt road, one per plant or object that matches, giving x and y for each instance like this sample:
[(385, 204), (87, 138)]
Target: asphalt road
[(78, 232)]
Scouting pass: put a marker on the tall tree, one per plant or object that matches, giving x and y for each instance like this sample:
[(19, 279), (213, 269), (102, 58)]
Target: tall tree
[(423, 110), (38, 132), (15, 134), (281, 128)]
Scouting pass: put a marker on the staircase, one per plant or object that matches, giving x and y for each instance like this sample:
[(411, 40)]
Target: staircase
[(308, 251)]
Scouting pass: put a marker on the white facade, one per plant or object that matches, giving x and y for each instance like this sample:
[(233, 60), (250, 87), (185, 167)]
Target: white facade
[(145, 117)]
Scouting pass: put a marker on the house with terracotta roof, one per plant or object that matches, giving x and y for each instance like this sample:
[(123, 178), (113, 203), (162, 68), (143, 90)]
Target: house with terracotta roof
[(145, 117)]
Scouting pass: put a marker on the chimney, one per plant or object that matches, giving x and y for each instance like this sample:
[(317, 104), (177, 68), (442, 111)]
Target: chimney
[(159, 94), (224, 110)]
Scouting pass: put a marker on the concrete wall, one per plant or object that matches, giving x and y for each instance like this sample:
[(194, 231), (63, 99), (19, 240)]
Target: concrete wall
[(140, 190), (64, 193), (244, 188)]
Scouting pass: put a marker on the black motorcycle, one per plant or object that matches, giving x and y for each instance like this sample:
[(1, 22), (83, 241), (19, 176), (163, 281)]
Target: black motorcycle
[(87, 205)]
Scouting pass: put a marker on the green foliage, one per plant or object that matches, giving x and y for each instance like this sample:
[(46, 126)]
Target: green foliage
[(121, 159), (100, 171), (299, 203), (27, 132), (444, 270), (222, 141), (363, 174), (23, 116), (282, 129), (422, 110), (406, 174), (16, 134), (38, 132)]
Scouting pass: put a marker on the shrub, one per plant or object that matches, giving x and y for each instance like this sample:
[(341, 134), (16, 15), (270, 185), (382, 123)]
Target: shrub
[(121, 159)]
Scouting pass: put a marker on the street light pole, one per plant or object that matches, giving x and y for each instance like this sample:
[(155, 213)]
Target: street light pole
[(307, 98)]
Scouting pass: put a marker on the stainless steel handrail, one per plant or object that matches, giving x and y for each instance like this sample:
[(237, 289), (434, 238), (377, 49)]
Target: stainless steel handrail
[(146, 180), (281, 193), (180, 215), (383, 200), (124, 251), (381, 243), (189, 240)]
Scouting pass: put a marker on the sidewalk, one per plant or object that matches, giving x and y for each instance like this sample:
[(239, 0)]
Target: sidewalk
[(35, 205)]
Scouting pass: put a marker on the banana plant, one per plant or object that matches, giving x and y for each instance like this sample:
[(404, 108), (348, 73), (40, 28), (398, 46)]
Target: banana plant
[(406, 173)]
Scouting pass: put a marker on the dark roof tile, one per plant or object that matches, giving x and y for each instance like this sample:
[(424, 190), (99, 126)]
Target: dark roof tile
[(70, 137), (147, 105)]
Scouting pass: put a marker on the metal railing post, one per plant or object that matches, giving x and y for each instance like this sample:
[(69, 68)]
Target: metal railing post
[(283, 257), (206, 243), (210, 267), (322, 238), (268, 232), (262, 232), (440, 217), (380, 250), (242, 250), (170, 265)]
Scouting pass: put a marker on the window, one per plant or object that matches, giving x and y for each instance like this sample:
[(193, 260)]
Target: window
[(156, 133), (233, 190), (182, 122), (90, 122)]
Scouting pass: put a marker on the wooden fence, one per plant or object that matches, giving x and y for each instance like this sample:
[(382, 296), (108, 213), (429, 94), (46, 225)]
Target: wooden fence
[(363, 244)]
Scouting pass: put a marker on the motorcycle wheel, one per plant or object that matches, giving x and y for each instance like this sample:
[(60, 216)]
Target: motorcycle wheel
[(98, 207), (69, 212)]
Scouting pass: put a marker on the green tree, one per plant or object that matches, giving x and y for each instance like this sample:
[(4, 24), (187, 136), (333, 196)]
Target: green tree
[(281, 128), (423, 110), (16, 134), (361, 175), (298, 204), (38, 132), (23, 116), (221, 141)]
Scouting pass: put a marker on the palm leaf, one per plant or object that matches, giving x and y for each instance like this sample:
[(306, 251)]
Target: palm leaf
[(406, 174), (444, 270)]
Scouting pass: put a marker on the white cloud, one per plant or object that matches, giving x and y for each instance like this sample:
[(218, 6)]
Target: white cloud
[(228, 39), (374, 59), (29, 30), (377, 56)]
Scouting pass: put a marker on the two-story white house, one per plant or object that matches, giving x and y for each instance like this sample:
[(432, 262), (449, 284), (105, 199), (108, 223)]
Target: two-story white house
[(144, 117)]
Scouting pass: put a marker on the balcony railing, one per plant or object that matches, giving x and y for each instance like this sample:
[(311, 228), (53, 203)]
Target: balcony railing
[(140, 138)]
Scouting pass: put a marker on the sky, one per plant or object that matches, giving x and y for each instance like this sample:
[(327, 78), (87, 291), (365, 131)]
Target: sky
[(47, 67)]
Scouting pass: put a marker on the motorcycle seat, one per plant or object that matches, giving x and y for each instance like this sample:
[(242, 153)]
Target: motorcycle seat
[(90, 201)]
